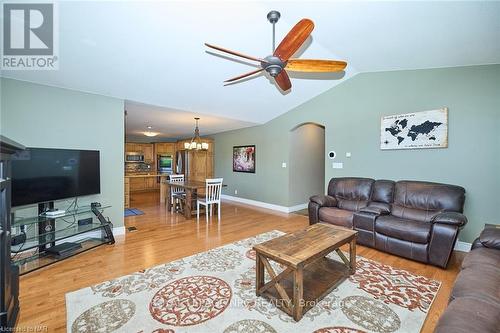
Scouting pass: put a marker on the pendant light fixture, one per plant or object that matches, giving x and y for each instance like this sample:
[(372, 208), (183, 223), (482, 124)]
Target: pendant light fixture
[(196, 142)]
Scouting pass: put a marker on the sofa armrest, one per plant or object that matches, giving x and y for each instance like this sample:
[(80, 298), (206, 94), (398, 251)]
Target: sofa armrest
[(375, 210), (451, 218), (490, 237), (324, 200)]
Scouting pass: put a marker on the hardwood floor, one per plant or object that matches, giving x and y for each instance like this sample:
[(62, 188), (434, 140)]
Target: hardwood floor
[(162, 237)]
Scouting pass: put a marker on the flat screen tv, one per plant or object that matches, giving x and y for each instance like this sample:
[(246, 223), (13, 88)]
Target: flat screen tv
[(41, 175)]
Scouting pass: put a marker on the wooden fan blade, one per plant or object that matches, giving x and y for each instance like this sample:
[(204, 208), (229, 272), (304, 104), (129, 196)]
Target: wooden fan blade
[(235, 53), (283, 81), (245, 75), (295, 38), (315, 65)]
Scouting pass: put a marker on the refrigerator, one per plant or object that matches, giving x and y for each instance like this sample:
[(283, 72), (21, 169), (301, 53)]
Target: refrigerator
[(182, 159)]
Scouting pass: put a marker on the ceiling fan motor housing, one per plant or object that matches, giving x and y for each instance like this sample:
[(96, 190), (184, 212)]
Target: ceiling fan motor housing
[(273, 65)]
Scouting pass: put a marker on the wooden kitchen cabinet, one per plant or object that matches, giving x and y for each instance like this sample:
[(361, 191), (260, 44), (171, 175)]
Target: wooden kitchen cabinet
[(165, 148), (148, 152), (127, 193), (137, 184)]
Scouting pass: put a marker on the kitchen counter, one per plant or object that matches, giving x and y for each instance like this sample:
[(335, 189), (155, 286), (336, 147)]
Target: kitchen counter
[(139, 175), (139, 181)]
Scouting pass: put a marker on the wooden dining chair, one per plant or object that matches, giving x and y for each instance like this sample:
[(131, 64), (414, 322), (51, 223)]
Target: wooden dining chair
[(213, 188), (177, 194)]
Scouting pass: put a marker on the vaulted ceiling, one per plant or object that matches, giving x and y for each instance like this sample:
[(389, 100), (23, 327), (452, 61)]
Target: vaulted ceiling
[(151, 54)]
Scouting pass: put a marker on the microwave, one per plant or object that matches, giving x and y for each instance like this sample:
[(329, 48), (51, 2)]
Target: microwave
[(131, 157)]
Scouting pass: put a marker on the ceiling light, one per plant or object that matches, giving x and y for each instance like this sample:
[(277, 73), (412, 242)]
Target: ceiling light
[(196, 143), (150, 134), (150, 127)]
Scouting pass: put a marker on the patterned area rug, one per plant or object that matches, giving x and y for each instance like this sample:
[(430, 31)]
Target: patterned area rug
[(214, 291)]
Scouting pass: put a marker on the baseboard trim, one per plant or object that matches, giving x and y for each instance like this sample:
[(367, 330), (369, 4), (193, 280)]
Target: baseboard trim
[(117, 231), (266, 205), (462, 246)]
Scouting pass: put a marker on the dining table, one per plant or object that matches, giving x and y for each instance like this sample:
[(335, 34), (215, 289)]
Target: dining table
[(191, 188)]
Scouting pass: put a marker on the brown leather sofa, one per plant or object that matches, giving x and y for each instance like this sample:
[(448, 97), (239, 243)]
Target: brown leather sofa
[(475, 299), (412, 219)]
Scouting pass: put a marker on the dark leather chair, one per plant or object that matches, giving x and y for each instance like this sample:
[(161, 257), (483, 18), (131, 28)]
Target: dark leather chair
[(412, 219), (345, 197), (475, 298)]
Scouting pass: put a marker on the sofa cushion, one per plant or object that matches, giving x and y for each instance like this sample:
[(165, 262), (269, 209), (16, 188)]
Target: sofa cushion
[(340, 217), (421, 201), (351, 193), (480, 282), (466, 315), (490, 237), (482, 256), (408, 230)]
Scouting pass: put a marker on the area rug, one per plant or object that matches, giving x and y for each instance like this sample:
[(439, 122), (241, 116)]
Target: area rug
[(133, 212), (214, 291)]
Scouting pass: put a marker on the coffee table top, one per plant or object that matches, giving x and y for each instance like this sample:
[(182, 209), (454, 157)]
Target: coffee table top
[(304, 246)]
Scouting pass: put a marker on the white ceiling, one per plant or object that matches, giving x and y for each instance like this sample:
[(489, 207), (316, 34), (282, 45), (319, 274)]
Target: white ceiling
[(171, 123), (153, 53)]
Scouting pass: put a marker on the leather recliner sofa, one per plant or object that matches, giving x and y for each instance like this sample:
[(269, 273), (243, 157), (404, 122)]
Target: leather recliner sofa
[(475, 298), (412, 219)]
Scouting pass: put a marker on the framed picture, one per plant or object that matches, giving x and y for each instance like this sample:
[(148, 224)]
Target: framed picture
[(425, 129), (244, 159)]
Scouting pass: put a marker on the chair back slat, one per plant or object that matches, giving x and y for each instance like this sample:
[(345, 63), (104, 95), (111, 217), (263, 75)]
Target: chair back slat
[(213, 189), (176, 179)]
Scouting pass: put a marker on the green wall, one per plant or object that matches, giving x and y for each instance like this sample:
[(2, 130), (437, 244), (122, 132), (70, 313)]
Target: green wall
[(42, 116), (351, 115)]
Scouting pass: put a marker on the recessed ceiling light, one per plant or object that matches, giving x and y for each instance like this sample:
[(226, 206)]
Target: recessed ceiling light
[(150, 127), (150, 134)]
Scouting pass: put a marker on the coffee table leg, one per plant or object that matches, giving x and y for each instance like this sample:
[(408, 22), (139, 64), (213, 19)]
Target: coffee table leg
[(352, 255), (259, 274), (298, 293)]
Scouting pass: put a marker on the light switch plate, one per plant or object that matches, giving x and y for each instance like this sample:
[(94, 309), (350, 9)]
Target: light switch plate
[(283, 165), (337, 165)]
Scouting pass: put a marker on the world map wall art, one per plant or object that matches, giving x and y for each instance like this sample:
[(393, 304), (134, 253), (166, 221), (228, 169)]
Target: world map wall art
[(426, 129)]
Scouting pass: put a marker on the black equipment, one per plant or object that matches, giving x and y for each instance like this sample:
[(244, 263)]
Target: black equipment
[(9, 274)]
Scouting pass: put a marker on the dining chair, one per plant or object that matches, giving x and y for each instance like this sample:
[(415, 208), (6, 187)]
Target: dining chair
[(177, 193), (213, 188)]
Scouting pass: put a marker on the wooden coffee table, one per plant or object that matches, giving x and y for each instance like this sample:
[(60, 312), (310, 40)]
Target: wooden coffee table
[(309, 275)]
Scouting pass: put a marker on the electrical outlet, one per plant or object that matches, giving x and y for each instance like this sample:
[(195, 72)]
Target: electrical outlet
[(283, 165), (235, 191)]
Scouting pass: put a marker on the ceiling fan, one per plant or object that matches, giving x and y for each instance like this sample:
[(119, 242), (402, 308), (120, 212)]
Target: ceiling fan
[(280, 61)]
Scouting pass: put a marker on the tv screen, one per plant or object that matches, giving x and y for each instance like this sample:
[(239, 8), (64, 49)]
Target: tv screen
[(41, 175)]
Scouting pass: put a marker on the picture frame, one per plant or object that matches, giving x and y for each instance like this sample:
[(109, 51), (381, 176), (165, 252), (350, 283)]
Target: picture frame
[(244, 158), (416, 130)]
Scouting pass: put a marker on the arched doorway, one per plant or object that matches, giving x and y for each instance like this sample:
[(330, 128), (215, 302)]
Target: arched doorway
[(306, 163)]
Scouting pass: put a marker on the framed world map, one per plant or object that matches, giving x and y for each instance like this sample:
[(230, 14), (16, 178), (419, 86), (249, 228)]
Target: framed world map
[(426, 129)]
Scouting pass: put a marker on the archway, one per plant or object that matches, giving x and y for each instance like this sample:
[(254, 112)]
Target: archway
[(306, 163)]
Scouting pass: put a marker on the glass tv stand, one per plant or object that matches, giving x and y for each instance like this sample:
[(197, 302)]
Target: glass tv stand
[(84, 225)]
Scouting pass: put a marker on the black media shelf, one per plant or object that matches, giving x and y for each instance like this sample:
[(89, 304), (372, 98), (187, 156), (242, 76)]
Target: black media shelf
[(39, 260), (31, 254)]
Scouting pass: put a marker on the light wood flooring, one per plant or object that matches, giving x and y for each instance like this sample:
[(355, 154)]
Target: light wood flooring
[(162, 237)]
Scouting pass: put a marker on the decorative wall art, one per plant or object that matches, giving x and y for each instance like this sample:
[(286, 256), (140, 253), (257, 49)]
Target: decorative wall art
[(244, 159), (426, 129)]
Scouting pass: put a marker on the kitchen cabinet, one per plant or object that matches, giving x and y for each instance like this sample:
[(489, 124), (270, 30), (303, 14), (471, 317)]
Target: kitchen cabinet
[(147, 151), (165, 148), (137, 184), (127, 191)]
